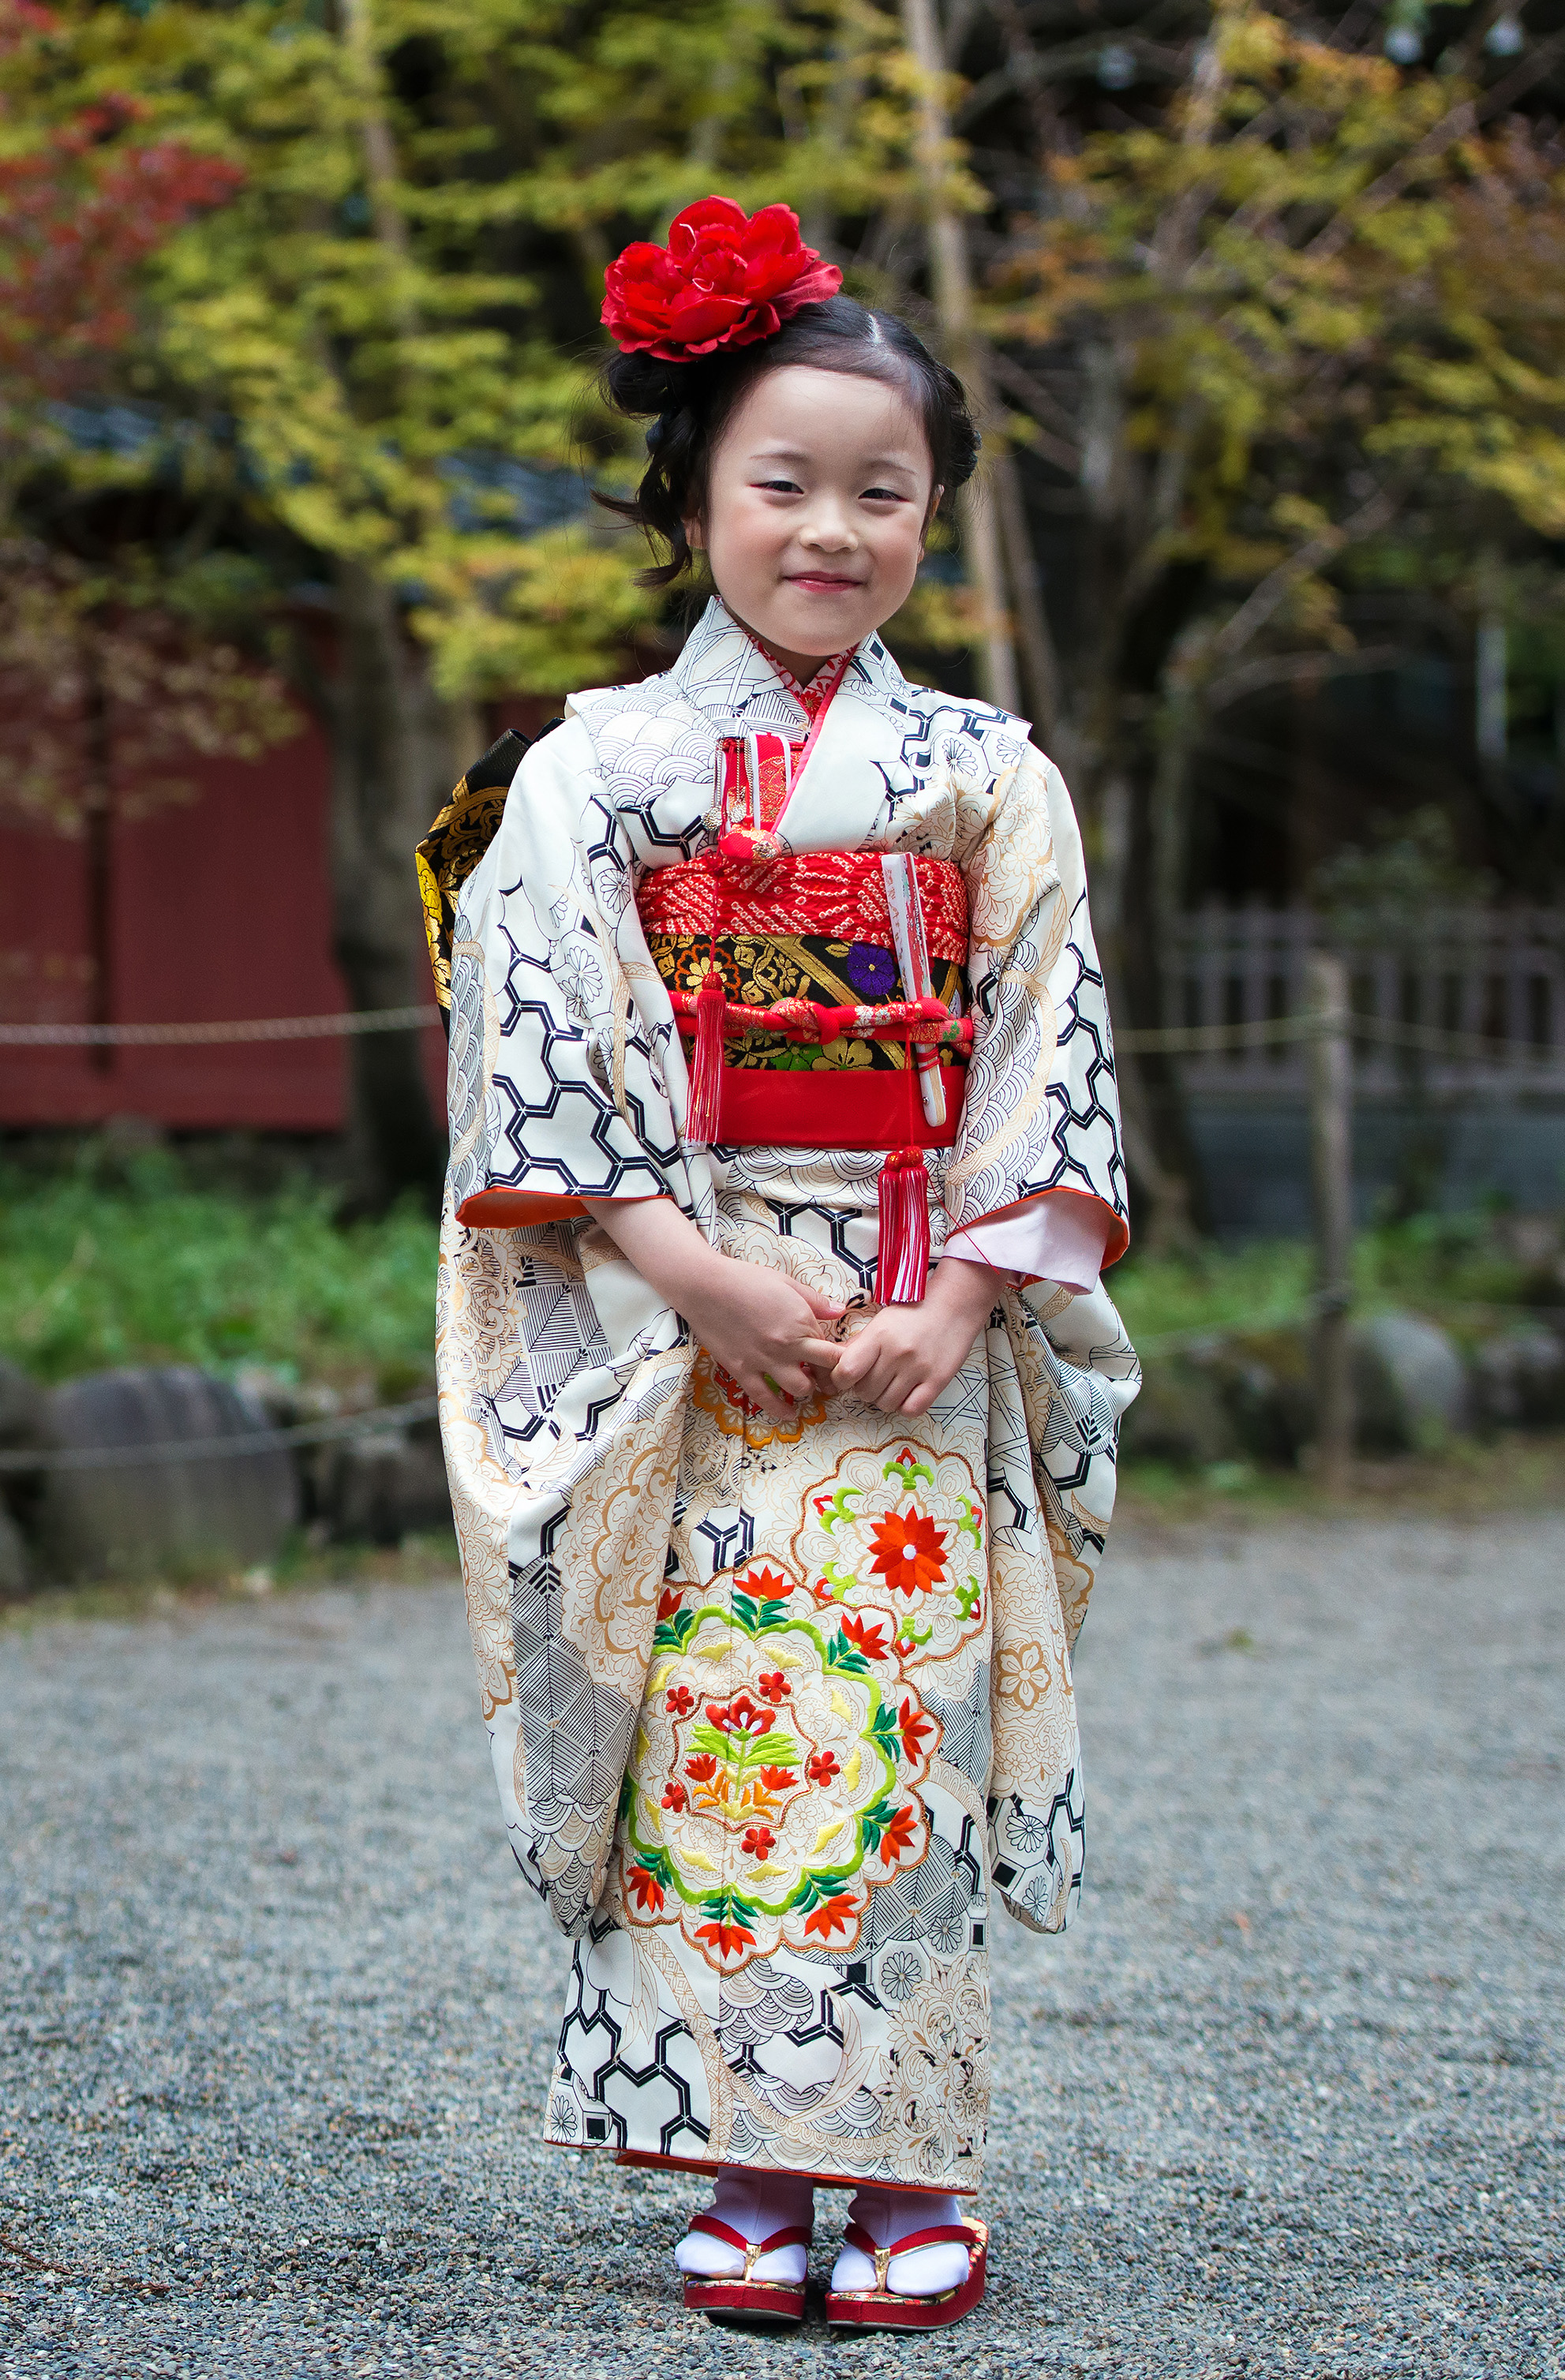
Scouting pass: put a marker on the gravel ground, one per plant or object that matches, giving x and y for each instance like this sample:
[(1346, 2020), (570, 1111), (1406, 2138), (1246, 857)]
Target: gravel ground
[(277, 2013)]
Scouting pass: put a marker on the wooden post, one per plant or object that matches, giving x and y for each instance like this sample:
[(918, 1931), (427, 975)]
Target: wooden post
[(99, 809), (952, 278), (1331, 1168)]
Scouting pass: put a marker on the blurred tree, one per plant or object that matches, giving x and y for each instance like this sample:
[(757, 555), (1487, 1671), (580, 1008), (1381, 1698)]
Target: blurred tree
[(1270, 318), (379, 347), (1259, 332), (107, 679)]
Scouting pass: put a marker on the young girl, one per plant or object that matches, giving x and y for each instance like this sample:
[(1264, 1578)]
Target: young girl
[(775, 982)]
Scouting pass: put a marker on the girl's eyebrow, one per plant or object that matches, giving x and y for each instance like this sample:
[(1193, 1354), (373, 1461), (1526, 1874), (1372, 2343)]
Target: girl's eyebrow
[(802, 455)]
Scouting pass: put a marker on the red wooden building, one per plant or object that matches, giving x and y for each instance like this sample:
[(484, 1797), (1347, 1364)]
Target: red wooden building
[(185, 916)]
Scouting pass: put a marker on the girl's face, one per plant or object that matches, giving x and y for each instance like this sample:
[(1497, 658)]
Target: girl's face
[(817, 496)]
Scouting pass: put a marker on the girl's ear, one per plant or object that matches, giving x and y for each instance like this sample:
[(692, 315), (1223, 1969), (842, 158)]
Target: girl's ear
[(694, 533), (928, 519)]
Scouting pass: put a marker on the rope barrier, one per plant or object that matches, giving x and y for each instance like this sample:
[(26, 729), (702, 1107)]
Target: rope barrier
[(208, 1450), (1191, 1040), (1262, 1033), (180, 1037)]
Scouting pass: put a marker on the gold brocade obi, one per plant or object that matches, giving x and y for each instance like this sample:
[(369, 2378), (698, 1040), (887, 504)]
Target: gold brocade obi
[(811, 925)]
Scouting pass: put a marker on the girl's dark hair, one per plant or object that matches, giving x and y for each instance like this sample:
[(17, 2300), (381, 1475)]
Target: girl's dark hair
[(693, 401)]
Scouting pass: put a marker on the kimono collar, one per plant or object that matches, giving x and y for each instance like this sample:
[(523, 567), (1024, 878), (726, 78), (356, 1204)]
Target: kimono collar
[(733, 681)]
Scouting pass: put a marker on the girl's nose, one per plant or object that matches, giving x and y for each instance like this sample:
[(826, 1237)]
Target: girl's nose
[(827, 526)]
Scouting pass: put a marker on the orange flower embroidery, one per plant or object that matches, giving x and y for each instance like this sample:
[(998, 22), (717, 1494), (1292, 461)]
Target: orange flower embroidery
[(648, 1890), (717, 1392), (909, 1551), (758, 1842), (897, 1841), (727, 1940), (833, 1916), (774, 1685), (867, 1634), (913, 1727), (765, 1584)]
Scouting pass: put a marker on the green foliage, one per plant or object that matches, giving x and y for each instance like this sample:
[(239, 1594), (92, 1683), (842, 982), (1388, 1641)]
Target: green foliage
[(1437, 1264), (107, 1264), (1333, 305), (106, 1261), (408, 276), (1381, 893)]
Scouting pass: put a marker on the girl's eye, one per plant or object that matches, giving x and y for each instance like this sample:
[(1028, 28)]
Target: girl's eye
[(881, 496), (780, 487)]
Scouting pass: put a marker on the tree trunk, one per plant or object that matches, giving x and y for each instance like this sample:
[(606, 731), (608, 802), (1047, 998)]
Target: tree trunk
[(1157, 1153), (98, 805), (393, 765), (1035, 645), (994, 654)]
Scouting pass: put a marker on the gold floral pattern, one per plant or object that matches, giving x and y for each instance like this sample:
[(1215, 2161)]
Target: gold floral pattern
[(935, 2074)]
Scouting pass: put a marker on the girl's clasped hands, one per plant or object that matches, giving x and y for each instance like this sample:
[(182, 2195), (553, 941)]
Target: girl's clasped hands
[(765, 1328)]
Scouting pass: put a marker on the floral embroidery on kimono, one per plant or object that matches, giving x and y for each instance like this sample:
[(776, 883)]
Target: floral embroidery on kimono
[(772, 1706)]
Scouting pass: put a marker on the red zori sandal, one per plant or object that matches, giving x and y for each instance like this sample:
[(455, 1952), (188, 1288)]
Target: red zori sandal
[(880, 2309), (743, 2295)]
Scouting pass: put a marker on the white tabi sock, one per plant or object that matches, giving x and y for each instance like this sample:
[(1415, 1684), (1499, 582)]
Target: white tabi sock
[(891, 2215), (755, 2204)]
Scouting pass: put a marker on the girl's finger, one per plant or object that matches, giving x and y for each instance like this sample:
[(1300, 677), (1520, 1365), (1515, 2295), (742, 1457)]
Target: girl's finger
[(907, 1389)]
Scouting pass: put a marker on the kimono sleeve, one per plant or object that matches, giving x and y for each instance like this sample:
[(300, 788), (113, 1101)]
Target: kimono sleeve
[(1041, 1119), (557, 1086), (1042, 1109)]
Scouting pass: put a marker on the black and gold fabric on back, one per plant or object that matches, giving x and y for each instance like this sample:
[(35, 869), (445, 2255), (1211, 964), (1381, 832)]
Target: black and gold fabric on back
[(457, 840)]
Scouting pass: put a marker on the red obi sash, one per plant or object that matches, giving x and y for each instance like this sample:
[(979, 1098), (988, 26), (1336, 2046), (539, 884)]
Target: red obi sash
[(840, 893), (836, 1109), (731, 911)]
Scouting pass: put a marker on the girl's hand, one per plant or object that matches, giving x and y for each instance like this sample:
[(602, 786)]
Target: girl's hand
[(901, 1360), (762, 1326)]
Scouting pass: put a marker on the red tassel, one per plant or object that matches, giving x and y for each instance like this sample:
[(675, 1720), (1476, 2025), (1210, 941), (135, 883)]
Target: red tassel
[(903, 1276), (706, 1064)]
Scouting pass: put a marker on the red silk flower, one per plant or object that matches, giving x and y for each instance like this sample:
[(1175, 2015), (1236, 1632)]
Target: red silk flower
[(725, 279)]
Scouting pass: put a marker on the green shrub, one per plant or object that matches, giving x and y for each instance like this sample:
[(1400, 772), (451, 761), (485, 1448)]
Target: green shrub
[(157, 1256), (1445, 1266), (106, 1261)]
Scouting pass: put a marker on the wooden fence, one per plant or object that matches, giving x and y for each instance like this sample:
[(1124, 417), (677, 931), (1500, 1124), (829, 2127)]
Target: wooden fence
[(1497, 974)]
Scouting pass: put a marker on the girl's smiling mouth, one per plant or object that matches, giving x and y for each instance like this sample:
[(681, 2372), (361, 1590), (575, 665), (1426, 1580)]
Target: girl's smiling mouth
[(824, 582)]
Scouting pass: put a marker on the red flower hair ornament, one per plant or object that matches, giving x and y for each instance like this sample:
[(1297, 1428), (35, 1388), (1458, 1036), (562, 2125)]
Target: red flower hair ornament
[(724, 280)]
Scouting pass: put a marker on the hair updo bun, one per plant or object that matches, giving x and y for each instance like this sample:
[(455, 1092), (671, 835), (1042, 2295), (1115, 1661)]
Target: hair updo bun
[(690, 402)]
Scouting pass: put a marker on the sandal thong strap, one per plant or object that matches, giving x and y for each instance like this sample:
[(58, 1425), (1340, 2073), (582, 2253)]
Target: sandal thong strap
[(858, 2237), (792, 2235)]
